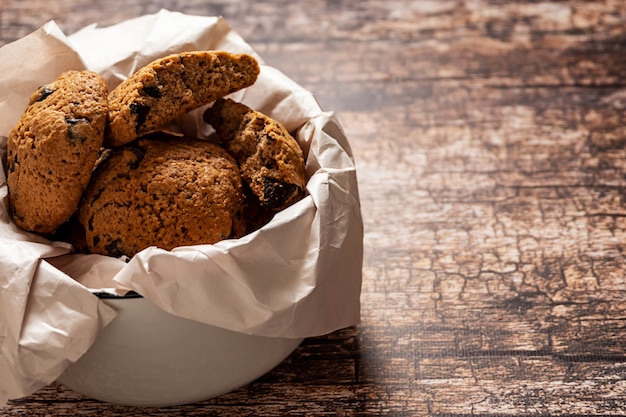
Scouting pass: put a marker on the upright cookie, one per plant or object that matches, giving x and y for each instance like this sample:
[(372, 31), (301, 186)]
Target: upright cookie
[(53, 148), (270, 159), (172, 86), (164, 191)]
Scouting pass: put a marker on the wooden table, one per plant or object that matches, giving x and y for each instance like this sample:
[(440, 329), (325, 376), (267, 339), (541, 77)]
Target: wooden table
[(490, 139)]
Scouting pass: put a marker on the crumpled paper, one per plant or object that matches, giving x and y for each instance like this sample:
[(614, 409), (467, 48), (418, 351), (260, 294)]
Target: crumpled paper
[(298, 276)]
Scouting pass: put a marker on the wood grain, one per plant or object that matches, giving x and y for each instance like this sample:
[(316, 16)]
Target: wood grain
[(490, 144)]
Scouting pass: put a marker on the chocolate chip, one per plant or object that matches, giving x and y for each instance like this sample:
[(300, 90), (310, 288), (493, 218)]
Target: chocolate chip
[(152, 91), (277, 192), (44, 92), (141, 111), (74, 129), (139, 152), (114, 248)]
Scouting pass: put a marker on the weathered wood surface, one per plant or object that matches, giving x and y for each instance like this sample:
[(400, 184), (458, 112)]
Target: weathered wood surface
[(491, 146)]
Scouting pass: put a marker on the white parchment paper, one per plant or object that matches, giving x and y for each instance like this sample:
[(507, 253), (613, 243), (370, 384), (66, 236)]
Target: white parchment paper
[(298, 276)]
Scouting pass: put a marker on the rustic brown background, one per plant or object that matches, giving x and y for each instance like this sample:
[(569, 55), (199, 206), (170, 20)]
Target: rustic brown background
[(490, 142)]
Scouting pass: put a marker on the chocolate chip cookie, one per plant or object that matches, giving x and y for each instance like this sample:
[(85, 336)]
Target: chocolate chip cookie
[(172, 86), (270, 159), (163, 191), (53, 148)]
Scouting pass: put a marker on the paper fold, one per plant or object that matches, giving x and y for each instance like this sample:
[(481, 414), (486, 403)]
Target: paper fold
[(298, 276)]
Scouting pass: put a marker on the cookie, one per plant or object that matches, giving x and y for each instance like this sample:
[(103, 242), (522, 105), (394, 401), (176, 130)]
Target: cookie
[(172, 86), (164, 191), (53, 148), (270, 159)]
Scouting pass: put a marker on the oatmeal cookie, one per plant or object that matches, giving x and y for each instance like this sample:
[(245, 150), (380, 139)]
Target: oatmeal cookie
[(172, 86), (163, 191), (53, 148), (270, 159)]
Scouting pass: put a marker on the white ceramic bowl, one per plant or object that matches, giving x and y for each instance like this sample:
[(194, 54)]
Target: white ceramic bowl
[(147, 357)]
